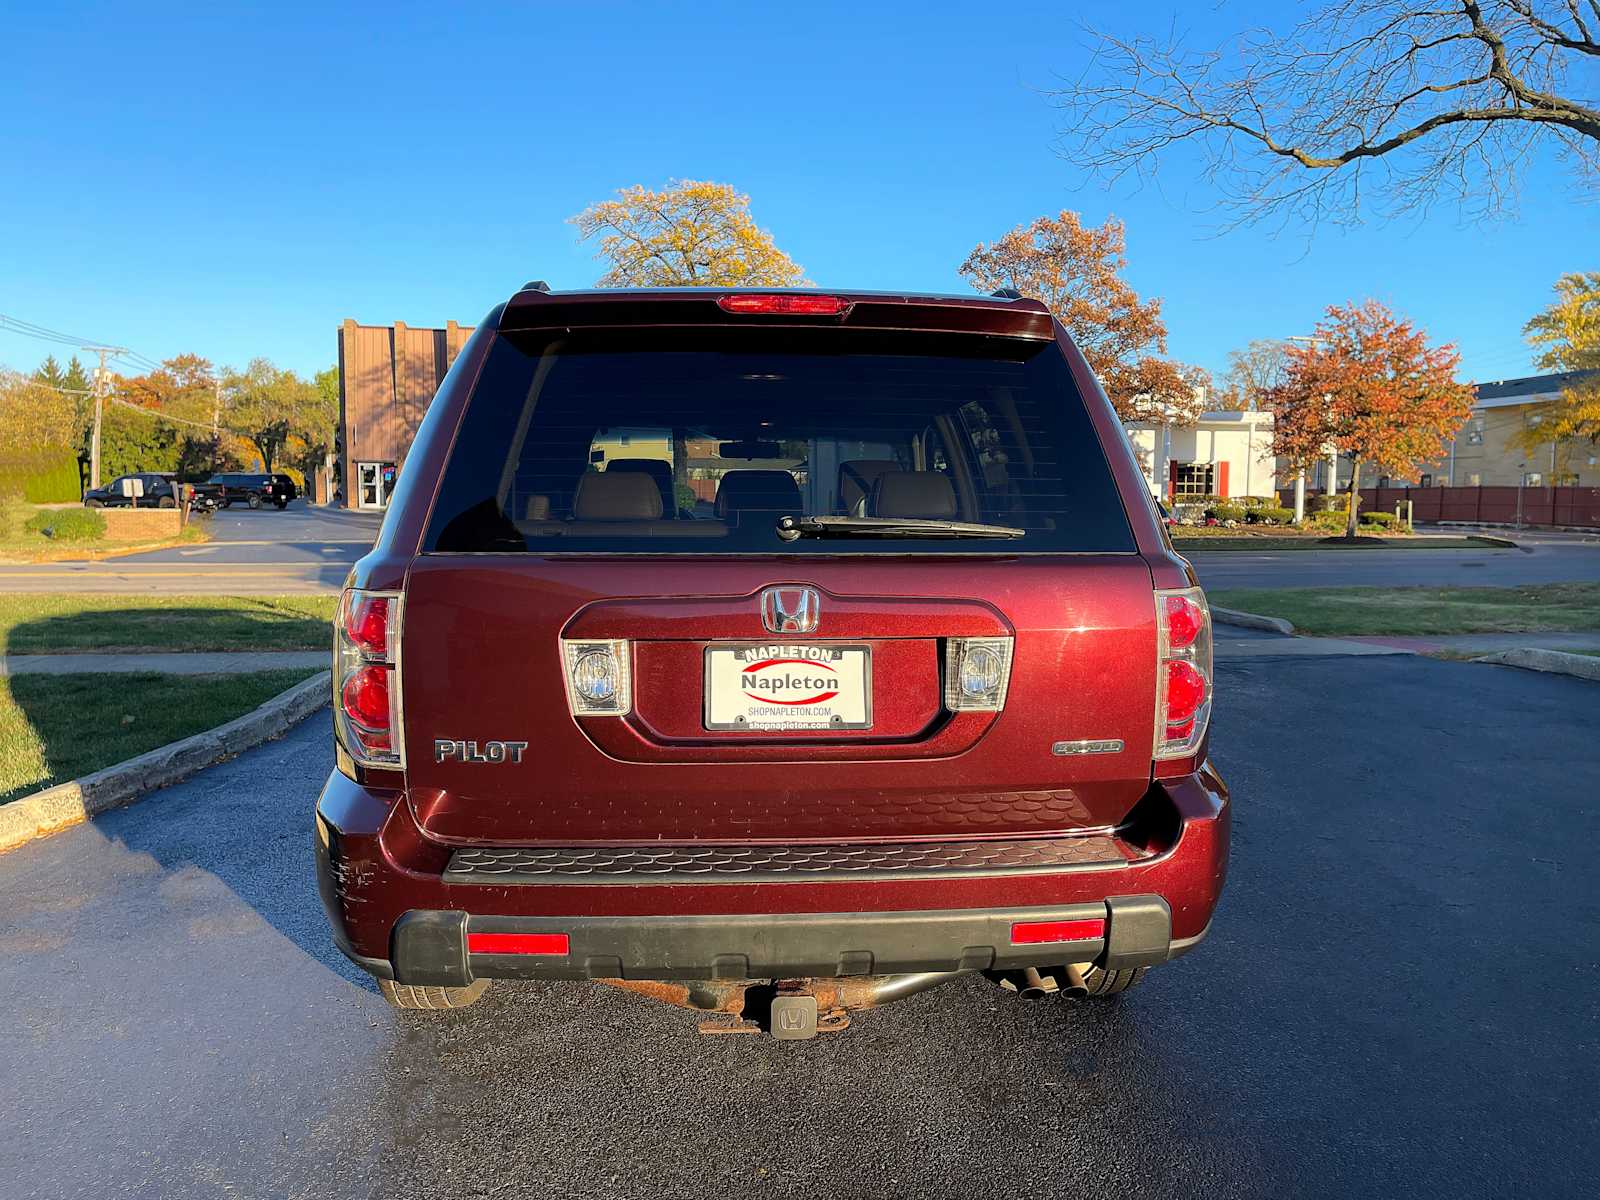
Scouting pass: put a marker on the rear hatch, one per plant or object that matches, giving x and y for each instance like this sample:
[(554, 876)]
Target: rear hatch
[(755, 580)]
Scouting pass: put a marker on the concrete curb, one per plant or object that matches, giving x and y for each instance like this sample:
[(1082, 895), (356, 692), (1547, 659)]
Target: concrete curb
[(1245, 620), (68, 804), (1557, 662)]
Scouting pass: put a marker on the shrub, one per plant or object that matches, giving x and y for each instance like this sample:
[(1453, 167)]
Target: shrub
[(1227, 512), (1271, 515), (67, 524), (1331, 522), (1326, 503), (1383, 520)]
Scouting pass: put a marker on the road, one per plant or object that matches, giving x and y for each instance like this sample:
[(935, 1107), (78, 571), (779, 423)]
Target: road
[(1399, 998), (252, 552), (1539, 558)]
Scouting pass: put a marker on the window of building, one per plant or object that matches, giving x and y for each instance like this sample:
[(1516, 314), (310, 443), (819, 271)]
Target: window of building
[(1191, 479), (1475, 480), (1532, 479), (1426, 481)]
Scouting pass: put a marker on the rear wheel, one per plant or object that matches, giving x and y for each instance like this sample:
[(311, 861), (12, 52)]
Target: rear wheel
[(255, 500), (402, 995), (1101, 982), (93, 504), (166, 502), (282, 504)]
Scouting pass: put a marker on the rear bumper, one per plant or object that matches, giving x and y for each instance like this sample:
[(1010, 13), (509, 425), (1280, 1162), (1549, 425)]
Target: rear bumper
[(396, 912)]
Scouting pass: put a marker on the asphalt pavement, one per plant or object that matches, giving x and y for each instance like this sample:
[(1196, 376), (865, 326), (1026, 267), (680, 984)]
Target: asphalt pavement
[(1537, 558), (1399, 997), (252, 552)]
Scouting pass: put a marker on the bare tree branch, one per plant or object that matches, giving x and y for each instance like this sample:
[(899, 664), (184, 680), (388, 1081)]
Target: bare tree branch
[(1407, 101)]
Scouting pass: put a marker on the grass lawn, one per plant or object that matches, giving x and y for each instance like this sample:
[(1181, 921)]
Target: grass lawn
[(1542, 608), (63, 624), (18, 545), (57, 727)]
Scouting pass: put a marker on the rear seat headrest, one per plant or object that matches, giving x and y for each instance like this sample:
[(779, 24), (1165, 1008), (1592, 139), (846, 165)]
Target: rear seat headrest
[(657, 469), (757, 491), (856, 477), (624, 496), (914, 494)]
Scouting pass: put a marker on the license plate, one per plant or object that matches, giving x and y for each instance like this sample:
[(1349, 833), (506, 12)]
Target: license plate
[(788, 687)]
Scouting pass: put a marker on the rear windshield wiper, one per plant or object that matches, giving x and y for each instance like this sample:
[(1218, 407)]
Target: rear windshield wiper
[(790, 528)]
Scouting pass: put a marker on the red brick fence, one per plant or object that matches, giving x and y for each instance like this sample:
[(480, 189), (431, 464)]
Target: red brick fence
[(1486, 505)]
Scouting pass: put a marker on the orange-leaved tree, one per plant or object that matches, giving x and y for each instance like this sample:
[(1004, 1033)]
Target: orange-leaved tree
[(687, 234), (1369, 385), (1076, 270)]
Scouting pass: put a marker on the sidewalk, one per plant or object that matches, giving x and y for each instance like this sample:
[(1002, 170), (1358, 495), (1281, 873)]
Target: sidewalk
[(165, 664)]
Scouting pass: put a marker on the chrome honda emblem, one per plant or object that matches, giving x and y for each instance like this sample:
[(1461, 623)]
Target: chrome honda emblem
[(790, 609)]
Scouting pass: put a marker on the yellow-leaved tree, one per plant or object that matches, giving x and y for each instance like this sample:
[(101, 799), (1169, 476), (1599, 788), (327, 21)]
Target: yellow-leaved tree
[(687, 234), (1567, 336)]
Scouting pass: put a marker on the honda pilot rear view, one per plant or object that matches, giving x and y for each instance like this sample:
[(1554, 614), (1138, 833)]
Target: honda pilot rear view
[(775, 654)]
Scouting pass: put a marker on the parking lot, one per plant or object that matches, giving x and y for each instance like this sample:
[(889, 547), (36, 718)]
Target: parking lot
[(1398, 998)]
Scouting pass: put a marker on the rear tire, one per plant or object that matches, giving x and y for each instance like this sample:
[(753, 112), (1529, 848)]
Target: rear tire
[(1101, 982), (166, 502), (93, 504), (255, 501), (282, 504), (403, 995)]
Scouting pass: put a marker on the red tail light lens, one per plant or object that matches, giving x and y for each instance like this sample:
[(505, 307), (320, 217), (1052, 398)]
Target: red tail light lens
[(1183, 672), (1185, 620), (794, 306), (365, 696), (366, 622), (366, 679)]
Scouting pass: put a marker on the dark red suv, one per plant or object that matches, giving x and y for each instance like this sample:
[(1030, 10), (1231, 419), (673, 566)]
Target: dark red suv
[(777, 654)]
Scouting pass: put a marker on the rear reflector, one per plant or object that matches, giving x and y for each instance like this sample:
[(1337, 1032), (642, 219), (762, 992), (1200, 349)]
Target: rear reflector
[(1028, 933), (794, 306), (516, 943)]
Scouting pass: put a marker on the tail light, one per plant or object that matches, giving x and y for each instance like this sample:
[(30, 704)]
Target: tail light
[(366, 679), (977, 672), (599, 678), (1183, 671)]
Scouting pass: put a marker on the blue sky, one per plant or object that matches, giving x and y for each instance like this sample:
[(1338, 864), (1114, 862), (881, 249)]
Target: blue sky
[(235, 182)]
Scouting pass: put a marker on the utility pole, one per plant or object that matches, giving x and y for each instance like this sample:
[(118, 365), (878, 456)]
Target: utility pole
[(216, 414), (102, 387)]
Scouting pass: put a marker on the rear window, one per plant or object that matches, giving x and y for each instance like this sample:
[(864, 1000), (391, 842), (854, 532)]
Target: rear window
[(699, 441)]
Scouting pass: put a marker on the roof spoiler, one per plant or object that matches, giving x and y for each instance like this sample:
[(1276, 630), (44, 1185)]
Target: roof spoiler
[(537, 308)]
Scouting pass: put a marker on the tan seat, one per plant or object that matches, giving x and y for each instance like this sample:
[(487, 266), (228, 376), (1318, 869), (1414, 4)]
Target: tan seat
[(856, 478)]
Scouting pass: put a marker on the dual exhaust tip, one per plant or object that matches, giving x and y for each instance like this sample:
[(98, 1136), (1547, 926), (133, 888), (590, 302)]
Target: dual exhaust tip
[(1034, 983)]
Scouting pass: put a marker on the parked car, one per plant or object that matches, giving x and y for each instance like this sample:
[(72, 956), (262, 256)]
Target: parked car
[(158, 492), (921, 692), (254, 490)]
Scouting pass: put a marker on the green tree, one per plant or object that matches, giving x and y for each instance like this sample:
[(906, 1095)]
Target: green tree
[(268, 406)]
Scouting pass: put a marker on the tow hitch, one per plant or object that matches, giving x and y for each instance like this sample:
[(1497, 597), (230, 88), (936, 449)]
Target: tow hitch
[(788, 1009)]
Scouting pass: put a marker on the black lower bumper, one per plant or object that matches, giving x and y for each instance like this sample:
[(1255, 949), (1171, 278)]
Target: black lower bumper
[(431, 948)]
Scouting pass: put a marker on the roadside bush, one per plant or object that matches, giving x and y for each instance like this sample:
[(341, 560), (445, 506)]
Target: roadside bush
[(1270, 515), (1327, 522), (67, 524), (1326, 503), (1382, 520), (1227, 512)]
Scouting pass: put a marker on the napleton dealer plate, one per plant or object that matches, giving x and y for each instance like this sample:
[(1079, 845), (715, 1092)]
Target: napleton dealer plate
[(775, 686)]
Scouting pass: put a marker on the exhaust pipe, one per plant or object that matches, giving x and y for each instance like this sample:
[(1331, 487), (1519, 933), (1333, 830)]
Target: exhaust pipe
[(1072, 985), (1034, 983)]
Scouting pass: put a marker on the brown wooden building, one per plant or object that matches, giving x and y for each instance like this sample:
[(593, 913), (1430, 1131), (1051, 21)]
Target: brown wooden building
[(387, 377)]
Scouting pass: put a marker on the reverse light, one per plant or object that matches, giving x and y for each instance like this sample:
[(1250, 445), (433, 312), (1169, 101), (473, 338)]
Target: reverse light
[(786, 305), (977, 673), (1183, 672), (366, 678), (599, 678)]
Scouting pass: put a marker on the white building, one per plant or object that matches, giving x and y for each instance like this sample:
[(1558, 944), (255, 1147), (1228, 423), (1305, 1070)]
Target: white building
[(1222, 454)]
